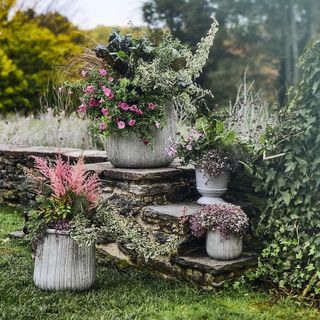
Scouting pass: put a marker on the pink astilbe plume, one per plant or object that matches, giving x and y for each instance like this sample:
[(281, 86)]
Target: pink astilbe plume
[(42, 165)]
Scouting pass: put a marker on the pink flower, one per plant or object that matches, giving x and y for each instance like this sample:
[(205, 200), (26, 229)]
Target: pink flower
[(89, 89), (84, 73), (157, 125), (146, 142), (123, 106), (93, 102), (101, 100), (107, 92), (103, 72), (121, 125), (189, 147), (151, 106), (110, 79), (82, 109), (135, 109), (105, 111), (172, 151), (139, 112), (132, 122), (102, 126)]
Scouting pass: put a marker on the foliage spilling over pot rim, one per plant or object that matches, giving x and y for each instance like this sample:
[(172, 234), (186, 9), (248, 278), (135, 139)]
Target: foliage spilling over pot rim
[(226, 218), (137, 77), (209, 146), (66, 196)]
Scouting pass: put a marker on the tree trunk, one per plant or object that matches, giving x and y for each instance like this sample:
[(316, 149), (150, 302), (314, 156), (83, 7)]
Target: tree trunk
[(294, 41)]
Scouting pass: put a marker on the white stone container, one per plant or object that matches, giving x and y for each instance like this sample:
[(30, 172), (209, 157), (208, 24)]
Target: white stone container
[(211, 188), (131, 152), (61, 264), (223, 249)]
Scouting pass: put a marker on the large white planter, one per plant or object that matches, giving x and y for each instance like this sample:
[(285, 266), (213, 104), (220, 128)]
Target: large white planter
[(61, 264), (223, 249), (211, 188), (131, 152)]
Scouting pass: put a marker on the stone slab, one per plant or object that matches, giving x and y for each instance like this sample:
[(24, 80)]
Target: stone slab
[(91, 156), (17, 234), (171, 211), (200, 261)]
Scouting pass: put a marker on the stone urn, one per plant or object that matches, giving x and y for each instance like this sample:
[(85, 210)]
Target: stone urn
[(211, 188), (131, 152), (61, 264), (223, 249)]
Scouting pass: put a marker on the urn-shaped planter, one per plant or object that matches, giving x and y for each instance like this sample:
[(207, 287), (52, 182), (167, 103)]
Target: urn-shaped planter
[(131, 152), (61, 264), (211, 188), (223, 249)]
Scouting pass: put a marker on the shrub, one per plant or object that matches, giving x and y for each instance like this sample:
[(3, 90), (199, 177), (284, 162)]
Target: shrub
[(290, 222)]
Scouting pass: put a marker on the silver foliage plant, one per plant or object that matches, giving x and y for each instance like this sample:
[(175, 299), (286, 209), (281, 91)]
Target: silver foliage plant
[(249, 115), (149, 75)]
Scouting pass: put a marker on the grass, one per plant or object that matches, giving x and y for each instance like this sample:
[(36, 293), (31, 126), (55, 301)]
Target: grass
[(125, 295)]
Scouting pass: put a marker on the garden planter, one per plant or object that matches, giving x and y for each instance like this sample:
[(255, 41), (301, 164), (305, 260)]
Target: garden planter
[(211, 188), (131, 152), (61, 264), (223, 249)]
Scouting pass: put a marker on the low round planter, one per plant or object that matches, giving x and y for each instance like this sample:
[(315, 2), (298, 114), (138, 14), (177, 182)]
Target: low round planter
[(131, 152), (61, 264), (223, 249), (211, 188)]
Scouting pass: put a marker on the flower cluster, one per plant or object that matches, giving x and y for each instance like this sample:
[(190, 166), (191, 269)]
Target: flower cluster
[(116, 106), (226, 218), (63, 190)]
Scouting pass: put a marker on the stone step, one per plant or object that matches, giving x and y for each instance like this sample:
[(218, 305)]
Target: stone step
[(196, 267)]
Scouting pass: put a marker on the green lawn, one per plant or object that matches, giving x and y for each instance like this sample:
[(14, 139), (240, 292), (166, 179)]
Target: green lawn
[(124, 295)]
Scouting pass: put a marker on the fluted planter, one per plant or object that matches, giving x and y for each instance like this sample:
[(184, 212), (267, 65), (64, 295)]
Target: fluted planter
[(61, 264), (223, 249), (131, 152), (211, 188)]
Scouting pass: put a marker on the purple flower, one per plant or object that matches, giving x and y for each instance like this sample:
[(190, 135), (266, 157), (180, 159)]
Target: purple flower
[(110, 79), (102, 126), (93, 102), (82, 109), (132, 122), (123, 106), (189, 147), (107, 92), (105, 111)]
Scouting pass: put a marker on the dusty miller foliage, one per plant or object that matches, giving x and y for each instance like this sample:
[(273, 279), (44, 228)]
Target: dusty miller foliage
[(290, 222)]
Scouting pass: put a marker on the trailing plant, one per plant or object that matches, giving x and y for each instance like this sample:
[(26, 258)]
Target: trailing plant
[(226, 218), (209, 146), (290, 179), (137, 78), (66, 196)]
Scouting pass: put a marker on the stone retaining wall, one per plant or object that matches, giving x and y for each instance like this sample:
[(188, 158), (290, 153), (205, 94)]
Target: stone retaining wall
[(13, 188)]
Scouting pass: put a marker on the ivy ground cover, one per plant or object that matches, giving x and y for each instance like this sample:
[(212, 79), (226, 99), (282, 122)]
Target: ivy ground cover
[(125, 295)]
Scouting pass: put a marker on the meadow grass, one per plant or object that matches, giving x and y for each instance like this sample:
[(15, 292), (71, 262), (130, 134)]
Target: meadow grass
[(125, 294)]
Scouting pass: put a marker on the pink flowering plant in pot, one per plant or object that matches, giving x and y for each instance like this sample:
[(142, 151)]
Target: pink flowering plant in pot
[(224, 225), (61, 224), (135, 79)]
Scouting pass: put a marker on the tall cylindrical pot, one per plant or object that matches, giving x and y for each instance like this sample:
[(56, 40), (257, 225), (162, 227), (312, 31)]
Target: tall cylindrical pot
[(211, 188), (131, 152), (223, 249), (61, 264)]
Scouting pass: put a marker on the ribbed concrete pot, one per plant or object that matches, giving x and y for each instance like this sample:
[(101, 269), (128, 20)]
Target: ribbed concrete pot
[(131, 152), (223, 249), (211, 188), (61, 264)]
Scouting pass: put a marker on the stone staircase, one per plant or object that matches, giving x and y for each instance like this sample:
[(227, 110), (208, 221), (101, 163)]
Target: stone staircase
[(158, 198)]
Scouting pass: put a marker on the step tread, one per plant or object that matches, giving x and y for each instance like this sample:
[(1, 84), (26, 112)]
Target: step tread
[(170, 211), (200, 261)]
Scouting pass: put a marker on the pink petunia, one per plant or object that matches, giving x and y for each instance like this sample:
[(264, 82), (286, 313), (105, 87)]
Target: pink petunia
[(93, 102), (103, 72), (132, 122), (121, 125), (110, 79), (105, 111), (89, 89), (107, 92), (102, 126), (123, 106), (151, 106), (157, 125), (82, 109), (189, 147)]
